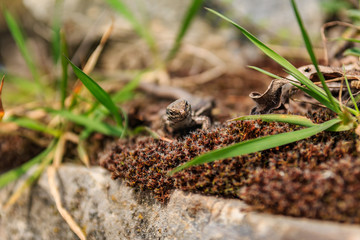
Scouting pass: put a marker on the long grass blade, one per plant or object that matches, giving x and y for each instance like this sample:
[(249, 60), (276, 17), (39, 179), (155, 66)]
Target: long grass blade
[(291, 119), (352, 51), (15, 173), (89, 123), (30, 180), (140, 29), (258, 144), (279, 59), (64, 69), (98, 93), (98, 116), (127, 90), (265, 72), (21, 44), (56, 38), (349, 39), (350, 93), (323, 100), (34, 125), (313, 58), (186, 22)]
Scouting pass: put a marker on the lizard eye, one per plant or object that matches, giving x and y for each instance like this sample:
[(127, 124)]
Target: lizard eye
[(188, 107)]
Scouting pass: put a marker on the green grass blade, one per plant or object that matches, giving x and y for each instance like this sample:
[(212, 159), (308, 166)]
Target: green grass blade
[(64, 69), (313, 58), (21, 44), (124, 94), (276, 57), (265, 72), (340, 127), (350, 93), (352, 13), (30, 180), (140, 29), (56, 38), (291, 119), (126, 123), (89, 123), (352, 51), (97, 92), (15, 173), (322, 101), (258, 144), (186, 22), (349, 39), (98, 116), (127, 90), (321, 98), (34, 125), (307, 91)]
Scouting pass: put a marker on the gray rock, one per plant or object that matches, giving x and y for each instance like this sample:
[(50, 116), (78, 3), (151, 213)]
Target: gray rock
[(108, 209)]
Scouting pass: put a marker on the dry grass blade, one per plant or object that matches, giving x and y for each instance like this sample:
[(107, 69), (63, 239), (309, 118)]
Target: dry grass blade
[(84, 157), (90, 64), (2, 112), (59, 151), (51, 171), (60, 148), (324, 38), (29, 181)]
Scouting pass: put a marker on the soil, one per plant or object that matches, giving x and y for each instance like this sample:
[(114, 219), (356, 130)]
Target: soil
[(16, 150)]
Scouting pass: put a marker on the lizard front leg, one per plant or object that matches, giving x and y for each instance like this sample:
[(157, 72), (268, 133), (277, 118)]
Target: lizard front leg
[(204, 121)]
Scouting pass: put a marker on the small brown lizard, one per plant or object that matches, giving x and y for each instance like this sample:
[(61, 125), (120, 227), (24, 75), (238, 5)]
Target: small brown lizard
[(185, 113), (180, 115)]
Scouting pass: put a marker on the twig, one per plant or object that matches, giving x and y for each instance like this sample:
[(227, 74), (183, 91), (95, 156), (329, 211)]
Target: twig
[(324, 39)]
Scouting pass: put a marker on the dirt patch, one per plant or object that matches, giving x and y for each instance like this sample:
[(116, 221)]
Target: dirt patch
[(15, 150)]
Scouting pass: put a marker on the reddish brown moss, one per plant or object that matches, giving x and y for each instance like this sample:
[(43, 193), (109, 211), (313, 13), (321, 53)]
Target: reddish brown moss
[(284, 180), (330, 192)]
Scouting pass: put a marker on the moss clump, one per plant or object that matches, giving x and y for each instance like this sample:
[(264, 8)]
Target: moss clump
[(284, 180)]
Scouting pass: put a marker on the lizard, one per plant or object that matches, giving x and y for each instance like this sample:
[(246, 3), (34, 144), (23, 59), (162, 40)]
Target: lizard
[(180, 115), (186, 112)]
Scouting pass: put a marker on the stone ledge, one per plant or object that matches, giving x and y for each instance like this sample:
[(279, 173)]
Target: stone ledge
[(108, 209)]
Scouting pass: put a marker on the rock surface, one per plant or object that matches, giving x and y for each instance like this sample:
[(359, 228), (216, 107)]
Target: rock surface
[(107, 209)]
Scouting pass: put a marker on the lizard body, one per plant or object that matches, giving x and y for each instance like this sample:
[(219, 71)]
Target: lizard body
[(185, 113), (180, 115)]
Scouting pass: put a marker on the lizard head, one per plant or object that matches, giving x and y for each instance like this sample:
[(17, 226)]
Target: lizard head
[(178, 110)]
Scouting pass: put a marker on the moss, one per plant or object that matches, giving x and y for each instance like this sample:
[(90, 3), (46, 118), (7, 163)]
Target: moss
[(317, 177)]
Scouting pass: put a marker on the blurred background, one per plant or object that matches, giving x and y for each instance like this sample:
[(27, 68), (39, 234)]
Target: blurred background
[(209, 43)]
